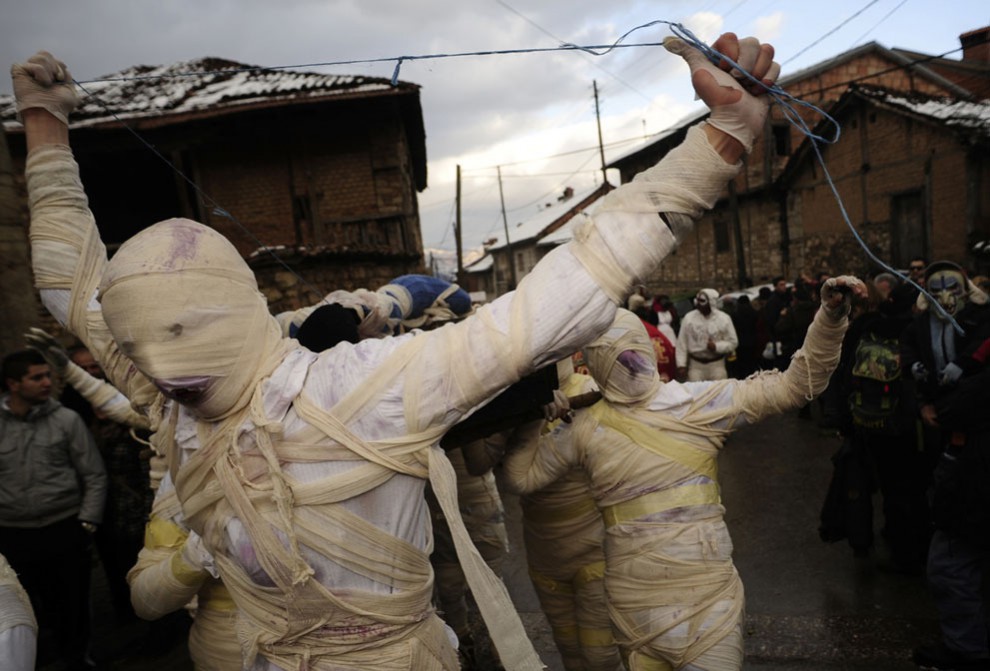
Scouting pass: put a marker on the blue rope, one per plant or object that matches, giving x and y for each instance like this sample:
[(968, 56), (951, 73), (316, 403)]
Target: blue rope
[(786, 102)]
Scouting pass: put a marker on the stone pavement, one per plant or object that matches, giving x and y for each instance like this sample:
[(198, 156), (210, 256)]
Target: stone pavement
[(810, 605)]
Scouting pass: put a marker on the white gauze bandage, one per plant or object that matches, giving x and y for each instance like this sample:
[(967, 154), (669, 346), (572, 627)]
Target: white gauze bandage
[(623, 362), (181, 303), (618, 251)]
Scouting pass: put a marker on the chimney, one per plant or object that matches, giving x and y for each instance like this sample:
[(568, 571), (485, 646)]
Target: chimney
[(976, 45)]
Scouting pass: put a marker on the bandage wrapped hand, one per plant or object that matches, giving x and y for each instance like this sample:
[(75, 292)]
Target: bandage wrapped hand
[(558, 408), (44, 82), (49, 348), (837, 294), (738, 108), (195, 555)]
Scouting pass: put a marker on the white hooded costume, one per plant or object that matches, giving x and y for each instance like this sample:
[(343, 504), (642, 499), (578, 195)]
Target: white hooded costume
[(697, 330)]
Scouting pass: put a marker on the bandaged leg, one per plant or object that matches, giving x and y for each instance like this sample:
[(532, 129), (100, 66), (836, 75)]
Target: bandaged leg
[(595, 636), (563, 533), (673, 592)]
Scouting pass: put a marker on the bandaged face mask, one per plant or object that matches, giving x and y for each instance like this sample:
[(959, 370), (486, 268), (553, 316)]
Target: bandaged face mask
[(949, 288), (623, 362), (183, 306)]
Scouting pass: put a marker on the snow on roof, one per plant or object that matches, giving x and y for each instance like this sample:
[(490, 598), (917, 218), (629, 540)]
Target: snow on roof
[(951, 112), (566, 232), (532, 227), (483, 264), (144, 91)]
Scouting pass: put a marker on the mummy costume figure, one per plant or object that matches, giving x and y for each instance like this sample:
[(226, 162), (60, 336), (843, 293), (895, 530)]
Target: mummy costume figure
[(649, 449), (301, 475)]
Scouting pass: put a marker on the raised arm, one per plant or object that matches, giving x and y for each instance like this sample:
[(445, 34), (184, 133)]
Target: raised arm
[(571, 295), (67, 254), (812, 365), (103, 396)]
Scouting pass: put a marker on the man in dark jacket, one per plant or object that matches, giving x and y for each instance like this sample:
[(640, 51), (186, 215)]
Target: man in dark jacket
[(52, 490)]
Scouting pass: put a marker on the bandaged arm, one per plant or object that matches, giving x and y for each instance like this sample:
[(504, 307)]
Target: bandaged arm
[(104, 397), (540, 458), (805, 377), (66, 251), (18, 627), (571, 295), (168, 573)]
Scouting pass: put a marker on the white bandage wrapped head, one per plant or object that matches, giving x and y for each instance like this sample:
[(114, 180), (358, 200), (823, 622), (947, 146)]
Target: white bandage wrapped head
[(623, 361), (185, 308)]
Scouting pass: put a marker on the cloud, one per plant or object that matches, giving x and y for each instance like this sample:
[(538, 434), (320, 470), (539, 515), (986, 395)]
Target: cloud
[(770, 27)]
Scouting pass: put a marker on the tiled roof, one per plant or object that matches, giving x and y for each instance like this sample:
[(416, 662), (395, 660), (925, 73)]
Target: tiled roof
[(213, 85)]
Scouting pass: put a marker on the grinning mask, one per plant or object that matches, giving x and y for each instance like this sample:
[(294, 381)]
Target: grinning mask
[(948, 287), (623, 361), (185, 308)]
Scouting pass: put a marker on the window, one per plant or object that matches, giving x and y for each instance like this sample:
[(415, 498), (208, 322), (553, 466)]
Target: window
[(782, 140), (721, 236)]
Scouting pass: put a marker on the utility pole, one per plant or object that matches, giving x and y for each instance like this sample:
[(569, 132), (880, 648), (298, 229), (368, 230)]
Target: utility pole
[(508, 242), (457, 231), (601, 146)]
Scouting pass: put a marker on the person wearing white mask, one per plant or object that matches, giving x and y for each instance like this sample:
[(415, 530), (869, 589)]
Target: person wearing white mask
[(706, 337)]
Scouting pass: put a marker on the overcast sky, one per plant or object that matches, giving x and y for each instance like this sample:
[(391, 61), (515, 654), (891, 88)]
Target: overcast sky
[(533, 114)]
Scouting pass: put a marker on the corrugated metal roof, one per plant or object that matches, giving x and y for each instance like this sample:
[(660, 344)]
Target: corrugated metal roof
[(206, 84)]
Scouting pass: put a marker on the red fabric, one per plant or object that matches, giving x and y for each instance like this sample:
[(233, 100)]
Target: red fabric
[(666, 363), (983, 353)]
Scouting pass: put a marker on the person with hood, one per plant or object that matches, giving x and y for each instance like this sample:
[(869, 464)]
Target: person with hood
[(52, 493), (650, 450), (706, 337), (301, 474), (945, 364)]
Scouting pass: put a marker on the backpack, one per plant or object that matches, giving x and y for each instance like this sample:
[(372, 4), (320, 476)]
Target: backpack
[(875, 387)]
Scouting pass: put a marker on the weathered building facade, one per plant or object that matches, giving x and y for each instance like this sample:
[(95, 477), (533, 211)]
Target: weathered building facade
[(771, 221), (313, 177)]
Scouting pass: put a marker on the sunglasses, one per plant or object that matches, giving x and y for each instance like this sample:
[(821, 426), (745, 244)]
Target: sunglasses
[(916, 267)]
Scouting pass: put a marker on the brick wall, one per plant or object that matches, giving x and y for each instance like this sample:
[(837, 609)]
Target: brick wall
[(817, 239), (883, 156)]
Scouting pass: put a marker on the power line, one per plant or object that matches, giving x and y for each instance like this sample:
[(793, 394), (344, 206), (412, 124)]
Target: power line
[(549, 34), (868, 5), (874, 26)]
